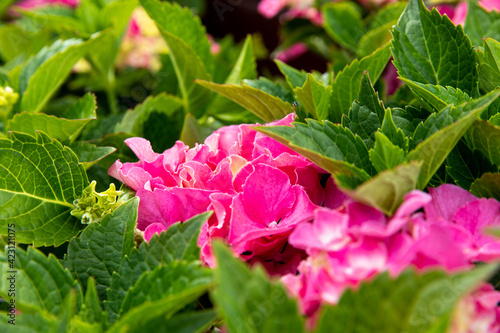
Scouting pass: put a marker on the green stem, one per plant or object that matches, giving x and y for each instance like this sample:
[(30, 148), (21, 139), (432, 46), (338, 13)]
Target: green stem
[(110, 92)]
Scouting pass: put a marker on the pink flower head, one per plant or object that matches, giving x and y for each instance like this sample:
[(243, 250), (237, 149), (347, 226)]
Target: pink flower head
[(459, 13), (28, 4), (293, 52)]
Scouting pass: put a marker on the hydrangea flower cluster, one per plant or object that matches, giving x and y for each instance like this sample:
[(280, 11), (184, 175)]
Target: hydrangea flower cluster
[(28, 4), (274, 207)]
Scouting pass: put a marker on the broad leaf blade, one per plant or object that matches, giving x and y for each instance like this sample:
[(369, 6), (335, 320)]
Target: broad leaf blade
[(480, 24), (429, 49), (488, 186), (489, 65), (89, 154), (39, 180), (385, 155), (314, 97), (485, 137), (101, 247), (343, 23), (437, 97)]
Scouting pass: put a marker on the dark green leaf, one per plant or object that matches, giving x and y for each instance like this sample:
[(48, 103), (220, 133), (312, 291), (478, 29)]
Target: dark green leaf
[(480, 24), (89, 154), (489, 65), (437, 97), (343, 23), (485, 137), (393, 132), (488, 186)]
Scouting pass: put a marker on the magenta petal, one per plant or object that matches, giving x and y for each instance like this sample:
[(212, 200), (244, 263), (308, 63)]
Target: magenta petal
[(446, 200), (268, 195), (142, 149), (152, 229)]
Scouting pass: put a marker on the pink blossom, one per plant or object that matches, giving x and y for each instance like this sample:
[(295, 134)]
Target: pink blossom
[(293, 52), (459, 13), (27, 4)]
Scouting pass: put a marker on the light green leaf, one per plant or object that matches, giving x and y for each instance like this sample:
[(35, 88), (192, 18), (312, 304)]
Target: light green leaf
[(372, 40), (385, 155), (46, 72), (192, 132), (294, 77), (346, 85), (91, 311), (343, 23), (176, 244), (393, 132), (489, 65), (387, 13), (429, 49), (39, 180), (89, 154), (332, 147), (485, 137), (181, 23), (242, 293), (41, 282), (164, 281), (480, 24), (260, 103), (366, 113), (314, 97), (488, 186), (437, 97), (188, 67), (444, 134), (386, 190), (100, 248), (29, 322), (62, 129), (401, 305), (191, 322)]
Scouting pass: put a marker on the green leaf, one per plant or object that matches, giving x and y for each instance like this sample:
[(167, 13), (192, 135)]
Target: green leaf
[(241, 294), (464, 165), (41, 282), (260, 103), (314, 97), (393, 132), (387, 13), (46, 72), (445, 132), (346, 85), (188, 67), (332, 147), (34, 321), (386, 190), (39, 180), (181, 23), (429, 49), (411, 303), (480, 24), (437, 97), (176, 244), (385, 155), (91, 311), (191, 322), (372, 40), (366, 113), (164, 281), (485, 137), (343, 23), (62, 129), (407, 119), (488, 186), (294, 77), (192, 132), (489, 65), (89, 154), (141, 316), (100, 248)]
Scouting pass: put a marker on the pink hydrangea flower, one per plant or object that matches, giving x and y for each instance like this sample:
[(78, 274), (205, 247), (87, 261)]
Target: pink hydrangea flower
[(458, 14), (28, 4), (293, 52)]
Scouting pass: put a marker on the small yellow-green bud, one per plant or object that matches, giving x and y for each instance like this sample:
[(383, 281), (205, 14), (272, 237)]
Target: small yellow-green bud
[(93, 206)]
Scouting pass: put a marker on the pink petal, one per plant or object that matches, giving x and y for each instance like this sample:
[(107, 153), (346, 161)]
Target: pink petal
[(152, 229), (446, 200)]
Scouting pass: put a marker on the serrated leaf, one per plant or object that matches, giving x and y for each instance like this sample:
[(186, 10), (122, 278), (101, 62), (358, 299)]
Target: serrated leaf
[(485, 137), (293, 77), (240, 293), (386, 190), (314, 97), (35, 321), (372, 40), (407, 119), (345, 88), (480, 24), (41, 282), (429, 49), (393, 132), (463, 165), (101, 247), (401, 305), (39, 180), (89, 154), (181, 23), (188, 67), (489, 65), (435, 96), (91, 311), (487, 186), (176, 244), (366, 113), (436, 147), (164, 281), (62, 129), (191, 322), (343, 23), (260, 103), (46, 72), (332, 147), (385, 155)]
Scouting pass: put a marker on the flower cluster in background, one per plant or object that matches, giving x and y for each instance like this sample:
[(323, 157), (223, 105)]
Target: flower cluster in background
[(270, 206)]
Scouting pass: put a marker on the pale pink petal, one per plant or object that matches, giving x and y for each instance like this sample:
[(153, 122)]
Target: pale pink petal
[(152, 229), (446, 200)]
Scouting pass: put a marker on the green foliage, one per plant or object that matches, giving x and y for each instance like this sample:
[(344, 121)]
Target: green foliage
[(489, 64), (248, 301), (385, 155), (480, 24), (427, 48), (39, 179), (487, 186), (343, 23), (401, 305), (314, 97), (485, 137), (100, 248)]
